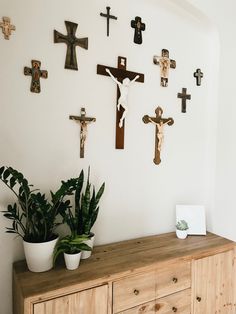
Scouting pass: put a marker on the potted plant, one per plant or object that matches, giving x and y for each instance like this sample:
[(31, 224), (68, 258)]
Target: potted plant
[(71, 246), (34, 217), (181, 229), (86, 211)]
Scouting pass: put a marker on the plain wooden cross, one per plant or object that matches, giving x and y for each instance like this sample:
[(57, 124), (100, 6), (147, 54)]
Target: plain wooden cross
[(36, 74), (198, 75), (120, 73), (165, 64), (184, 96), (84, 121), (71, 41), (138, 28), (159, 122), (7, 27), (108, 17)]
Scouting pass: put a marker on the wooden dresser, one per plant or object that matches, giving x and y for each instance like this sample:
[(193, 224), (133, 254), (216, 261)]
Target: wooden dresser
[(156, 274)]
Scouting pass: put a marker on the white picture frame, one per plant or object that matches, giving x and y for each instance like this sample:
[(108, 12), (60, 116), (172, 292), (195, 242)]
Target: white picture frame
[(195, 217)]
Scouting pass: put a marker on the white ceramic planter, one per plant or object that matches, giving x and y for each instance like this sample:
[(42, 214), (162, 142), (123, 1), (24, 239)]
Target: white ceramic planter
[(181, 234), (72, 260), (39, 256), (90, 242)]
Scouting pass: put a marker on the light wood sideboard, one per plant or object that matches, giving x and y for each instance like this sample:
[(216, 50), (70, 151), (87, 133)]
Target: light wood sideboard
[(155, 274)]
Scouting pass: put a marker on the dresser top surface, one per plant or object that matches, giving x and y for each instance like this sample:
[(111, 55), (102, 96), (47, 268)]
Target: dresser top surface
[(116, 260)]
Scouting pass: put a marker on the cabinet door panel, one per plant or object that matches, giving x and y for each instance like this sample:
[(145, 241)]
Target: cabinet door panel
[(213, 279), (92, 301)]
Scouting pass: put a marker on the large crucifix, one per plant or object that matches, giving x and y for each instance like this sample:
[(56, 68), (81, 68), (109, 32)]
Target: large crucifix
[(124, 79), (108, 16), (165, 64), (159, 122), (184, 96), (36, 73), (71, 41), (7, 27), (84, 121)]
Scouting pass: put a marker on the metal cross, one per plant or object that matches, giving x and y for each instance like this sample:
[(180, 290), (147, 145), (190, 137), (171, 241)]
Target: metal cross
[(36, 74), (198, 75), (84, 121), (71, 41), (139, 27), (108, 17), (7, 27), (184, 96)]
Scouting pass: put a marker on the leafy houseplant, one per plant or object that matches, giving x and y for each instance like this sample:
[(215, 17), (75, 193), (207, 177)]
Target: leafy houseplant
[(33, 216), (181, 229)]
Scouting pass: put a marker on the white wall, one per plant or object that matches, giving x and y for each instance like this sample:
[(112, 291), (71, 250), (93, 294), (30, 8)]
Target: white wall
[(38, 138)]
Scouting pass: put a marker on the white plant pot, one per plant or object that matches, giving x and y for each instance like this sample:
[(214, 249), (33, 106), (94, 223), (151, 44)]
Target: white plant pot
[(90, 242), (181, 234), (39, 256), (72, 260)]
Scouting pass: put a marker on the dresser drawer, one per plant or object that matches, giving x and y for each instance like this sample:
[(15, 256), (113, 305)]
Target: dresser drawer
[(179, 302), (173, 279), (132, 291)]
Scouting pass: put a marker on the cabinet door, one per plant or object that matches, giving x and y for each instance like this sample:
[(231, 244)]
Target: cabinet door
[(92, 301), (213, 280)]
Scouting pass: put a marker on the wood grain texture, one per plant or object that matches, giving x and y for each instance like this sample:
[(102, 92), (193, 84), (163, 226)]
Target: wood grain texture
[(213, 284), (92, 301), (178, 302)]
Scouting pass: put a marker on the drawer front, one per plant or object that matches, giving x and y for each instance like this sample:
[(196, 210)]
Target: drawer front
[(132, 291), (176, 303), (173, 279)]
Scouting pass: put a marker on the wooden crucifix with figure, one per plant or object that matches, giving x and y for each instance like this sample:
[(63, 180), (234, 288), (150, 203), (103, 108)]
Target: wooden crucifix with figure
[(165, 64), (84, 121), (124, 79), (159, 122)]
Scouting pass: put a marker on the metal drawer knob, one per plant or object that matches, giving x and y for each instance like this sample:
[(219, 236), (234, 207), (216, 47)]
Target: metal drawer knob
[(199, 299), (136, 292), (175, 280), (174, 309)]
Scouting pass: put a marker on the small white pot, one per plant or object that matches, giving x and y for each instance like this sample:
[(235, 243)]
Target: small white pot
[(72, 260), (39, 256), (90, 242), (181, 234)]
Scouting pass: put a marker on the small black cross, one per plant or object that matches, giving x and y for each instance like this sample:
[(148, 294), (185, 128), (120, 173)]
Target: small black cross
[(198, 75), (71, 41), (108, 17), (139, 27), (184, 96)]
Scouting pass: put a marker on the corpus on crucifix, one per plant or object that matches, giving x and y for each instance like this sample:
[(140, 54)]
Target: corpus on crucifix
[(84, 121), (36, 74), (71, 41), (159, 122), (124, 80), (165, 64), (7, 27)]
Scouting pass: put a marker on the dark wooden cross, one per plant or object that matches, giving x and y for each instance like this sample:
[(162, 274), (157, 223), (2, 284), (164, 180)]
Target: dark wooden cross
[(108, 17), (71, 41), (36, 74), (6, 26), (165, 64), (84, 121), (120, 73), (184, 96), (138, 28), (198, 75), (159, 122)]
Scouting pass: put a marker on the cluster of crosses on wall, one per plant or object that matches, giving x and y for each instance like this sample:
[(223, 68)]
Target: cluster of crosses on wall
[(120, 75)]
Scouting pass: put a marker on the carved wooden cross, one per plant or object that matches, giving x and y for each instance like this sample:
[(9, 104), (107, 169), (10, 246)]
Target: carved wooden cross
[(159, 122), (84, 121), (120, 73), (184, 96), (7, 27), (71, 41), (165, 64), (108, 17), (36, 74), (138, 28), (198, 75)]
